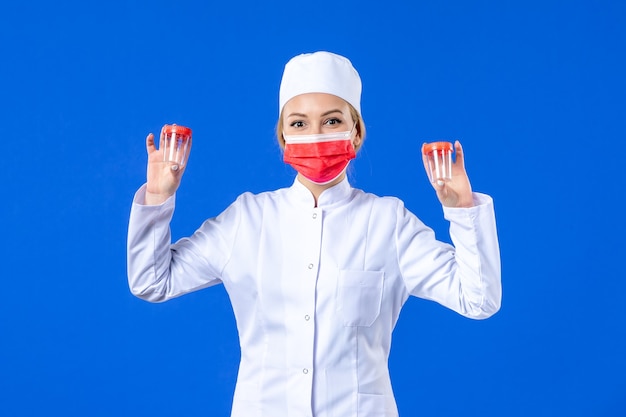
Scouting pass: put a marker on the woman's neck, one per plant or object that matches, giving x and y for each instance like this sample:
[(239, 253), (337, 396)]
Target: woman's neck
[(317, 189)]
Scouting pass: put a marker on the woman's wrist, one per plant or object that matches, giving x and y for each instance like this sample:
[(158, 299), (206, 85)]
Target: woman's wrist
[(153, 199)]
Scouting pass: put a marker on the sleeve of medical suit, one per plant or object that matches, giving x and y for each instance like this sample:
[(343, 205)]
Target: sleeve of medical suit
[(159, 270), (465, 276)]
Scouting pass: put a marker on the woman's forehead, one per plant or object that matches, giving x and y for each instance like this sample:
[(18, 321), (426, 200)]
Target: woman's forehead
[(312, 104)]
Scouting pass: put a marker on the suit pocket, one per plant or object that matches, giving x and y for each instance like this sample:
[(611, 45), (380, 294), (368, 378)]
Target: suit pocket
[(371, 405), (359, 296)]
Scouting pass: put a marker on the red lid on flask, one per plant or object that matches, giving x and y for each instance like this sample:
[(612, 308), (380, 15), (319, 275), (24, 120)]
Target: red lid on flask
[(179, 130), (437, 146)]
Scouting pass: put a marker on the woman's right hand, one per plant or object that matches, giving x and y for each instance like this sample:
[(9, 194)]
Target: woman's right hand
[(163, 177)]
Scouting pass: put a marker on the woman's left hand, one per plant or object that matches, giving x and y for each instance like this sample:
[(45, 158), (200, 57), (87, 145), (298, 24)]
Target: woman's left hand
[(458, 191)]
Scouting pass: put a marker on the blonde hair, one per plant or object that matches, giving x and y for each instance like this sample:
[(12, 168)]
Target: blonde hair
[(356, 118)]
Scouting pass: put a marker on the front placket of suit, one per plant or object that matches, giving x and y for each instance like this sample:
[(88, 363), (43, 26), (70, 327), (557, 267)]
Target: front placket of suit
[(304, 338)]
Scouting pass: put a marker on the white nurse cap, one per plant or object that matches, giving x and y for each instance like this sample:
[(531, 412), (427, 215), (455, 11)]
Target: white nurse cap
[(320, 72)]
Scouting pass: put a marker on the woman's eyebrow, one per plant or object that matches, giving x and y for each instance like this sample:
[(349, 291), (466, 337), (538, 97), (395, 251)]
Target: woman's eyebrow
[(296, 115), (331, 111)]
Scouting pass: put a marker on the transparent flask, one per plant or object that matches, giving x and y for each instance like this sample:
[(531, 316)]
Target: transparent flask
[(176, 144), (439, 156)]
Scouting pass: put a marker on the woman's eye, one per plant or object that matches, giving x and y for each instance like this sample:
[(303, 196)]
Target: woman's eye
[(333, 121), (297, 123)]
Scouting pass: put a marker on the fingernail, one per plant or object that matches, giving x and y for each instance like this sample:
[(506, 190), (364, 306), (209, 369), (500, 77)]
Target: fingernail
[(440, 183), (174, 167)]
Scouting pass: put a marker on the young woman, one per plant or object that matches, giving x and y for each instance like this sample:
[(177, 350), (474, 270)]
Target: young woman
[(318, 272)]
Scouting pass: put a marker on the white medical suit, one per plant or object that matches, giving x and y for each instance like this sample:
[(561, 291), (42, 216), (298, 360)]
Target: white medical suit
[(316, 291)]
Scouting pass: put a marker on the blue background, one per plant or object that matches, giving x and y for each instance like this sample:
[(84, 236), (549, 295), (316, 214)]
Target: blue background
[(535, 90)]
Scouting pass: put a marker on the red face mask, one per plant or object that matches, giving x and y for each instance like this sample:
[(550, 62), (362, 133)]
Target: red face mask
[(319, 158)]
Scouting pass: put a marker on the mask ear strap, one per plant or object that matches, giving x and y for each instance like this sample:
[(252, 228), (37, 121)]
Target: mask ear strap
[(354, 145)]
